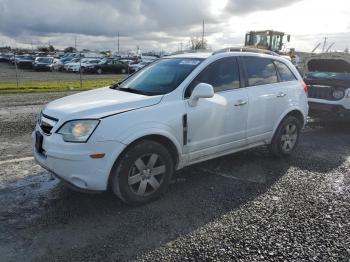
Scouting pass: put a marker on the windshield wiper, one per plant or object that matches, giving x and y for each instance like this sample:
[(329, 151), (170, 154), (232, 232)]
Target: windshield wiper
[(130, 90)]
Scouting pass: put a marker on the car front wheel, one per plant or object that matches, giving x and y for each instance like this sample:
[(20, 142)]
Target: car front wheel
[(99, 71), (142, 173), (286, 137)]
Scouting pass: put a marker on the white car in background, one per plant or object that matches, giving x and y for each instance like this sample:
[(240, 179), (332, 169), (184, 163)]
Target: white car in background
[(178, 111), (69, 65), (77, 67), (137, 67)]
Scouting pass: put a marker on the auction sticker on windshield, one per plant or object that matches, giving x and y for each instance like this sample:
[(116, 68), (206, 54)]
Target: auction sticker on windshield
[(189, 62)]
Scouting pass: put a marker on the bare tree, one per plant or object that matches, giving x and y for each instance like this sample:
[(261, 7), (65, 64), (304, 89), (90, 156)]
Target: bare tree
[(197, 43)]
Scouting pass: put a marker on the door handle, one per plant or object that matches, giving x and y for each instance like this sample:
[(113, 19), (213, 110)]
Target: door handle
[(241, 103), (281, 94)]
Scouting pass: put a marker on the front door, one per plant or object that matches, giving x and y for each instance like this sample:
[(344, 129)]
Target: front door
[(218, 124)]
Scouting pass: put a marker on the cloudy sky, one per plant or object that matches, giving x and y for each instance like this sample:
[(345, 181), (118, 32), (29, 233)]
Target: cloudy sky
[(168, 24)]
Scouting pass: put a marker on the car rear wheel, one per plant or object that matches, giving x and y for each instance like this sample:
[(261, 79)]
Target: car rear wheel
[(142, 173), (99, 71), (123, 71), (286, 137), (82, 70)]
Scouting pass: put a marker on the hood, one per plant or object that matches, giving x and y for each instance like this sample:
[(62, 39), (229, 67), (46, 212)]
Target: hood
[(97, 103)]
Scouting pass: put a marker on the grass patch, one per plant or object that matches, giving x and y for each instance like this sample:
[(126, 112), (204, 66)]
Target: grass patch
[(54, 85)]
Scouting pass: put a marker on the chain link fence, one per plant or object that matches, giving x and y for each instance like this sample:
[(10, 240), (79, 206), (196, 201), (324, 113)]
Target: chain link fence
[(20, 76)]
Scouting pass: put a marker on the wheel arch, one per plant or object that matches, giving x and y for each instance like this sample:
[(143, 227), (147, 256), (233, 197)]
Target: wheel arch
[(160, 138), (294, 112)]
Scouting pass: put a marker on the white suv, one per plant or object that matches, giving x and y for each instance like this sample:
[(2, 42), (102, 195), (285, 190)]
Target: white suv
[(175, 112)]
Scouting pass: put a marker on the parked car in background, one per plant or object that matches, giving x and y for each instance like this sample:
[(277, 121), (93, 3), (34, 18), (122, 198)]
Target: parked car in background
[(178, 111), (328, 78), (5, 57), (25, 61), (47, 64), (69, 64), (87, 62), (137, 67), (70, 56), (108, 65)]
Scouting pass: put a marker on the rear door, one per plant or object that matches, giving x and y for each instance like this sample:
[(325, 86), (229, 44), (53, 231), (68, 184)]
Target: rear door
[(268, 100), (217, 124)]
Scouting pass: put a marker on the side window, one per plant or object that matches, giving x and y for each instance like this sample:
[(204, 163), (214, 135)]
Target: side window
[(222, 75), (109, 62), (284, 72), (260, 71)]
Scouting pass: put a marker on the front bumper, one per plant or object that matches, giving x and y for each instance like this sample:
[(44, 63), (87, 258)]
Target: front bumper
[(71, 162)]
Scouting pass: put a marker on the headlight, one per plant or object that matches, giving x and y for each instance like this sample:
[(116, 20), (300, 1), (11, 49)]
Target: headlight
[(338, 94), (78, 130)]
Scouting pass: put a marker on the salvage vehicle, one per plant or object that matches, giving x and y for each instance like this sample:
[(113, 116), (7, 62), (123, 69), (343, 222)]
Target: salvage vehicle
[(328, 78), (80, 67), (47, 63), (108, 65), (25, 61), (130, 137)]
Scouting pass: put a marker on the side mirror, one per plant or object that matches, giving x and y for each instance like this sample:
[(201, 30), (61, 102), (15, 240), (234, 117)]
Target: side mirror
[(201, 90)]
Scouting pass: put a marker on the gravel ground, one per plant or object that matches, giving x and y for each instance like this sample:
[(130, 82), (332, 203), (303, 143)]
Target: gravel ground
[(8, 74), (243, 207)]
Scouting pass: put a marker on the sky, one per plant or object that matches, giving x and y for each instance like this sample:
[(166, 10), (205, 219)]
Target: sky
[(169, 24)]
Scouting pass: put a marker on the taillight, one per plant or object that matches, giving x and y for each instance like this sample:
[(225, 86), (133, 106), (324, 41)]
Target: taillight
[(305, 86)]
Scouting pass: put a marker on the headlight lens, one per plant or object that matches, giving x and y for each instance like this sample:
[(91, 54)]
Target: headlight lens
[(338, 94), (78, 130)]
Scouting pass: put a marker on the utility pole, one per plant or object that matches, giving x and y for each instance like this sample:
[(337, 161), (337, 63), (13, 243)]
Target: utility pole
[(75, 42), (118, 43), (203, 35)]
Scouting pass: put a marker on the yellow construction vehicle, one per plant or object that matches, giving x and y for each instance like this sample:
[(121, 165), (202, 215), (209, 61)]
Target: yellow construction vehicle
[(267, 39)]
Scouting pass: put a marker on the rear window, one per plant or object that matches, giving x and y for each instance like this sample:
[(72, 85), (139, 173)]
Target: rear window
[(260, 71), (285, 73)]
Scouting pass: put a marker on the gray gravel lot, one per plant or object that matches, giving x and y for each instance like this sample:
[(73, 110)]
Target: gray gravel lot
[(243, 207), (8, 74)]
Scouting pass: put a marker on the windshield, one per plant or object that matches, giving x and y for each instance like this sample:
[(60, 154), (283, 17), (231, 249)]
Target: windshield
[(161, 77), (45, 60)]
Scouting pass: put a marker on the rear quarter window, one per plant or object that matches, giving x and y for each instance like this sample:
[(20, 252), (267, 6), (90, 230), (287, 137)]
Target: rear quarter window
[(284, 72)]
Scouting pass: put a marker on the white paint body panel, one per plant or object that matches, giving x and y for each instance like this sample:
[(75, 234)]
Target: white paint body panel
[(215, 125)]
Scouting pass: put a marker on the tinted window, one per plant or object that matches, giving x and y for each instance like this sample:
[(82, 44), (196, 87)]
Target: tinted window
[(260, 71), (222, 75), (284, 72)]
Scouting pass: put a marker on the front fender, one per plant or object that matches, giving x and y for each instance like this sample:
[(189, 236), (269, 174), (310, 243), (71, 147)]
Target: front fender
[(140, 131)]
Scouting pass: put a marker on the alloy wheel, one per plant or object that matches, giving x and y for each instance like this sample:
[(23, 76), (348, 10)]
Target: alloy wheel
[(289, 137), (146, 174)]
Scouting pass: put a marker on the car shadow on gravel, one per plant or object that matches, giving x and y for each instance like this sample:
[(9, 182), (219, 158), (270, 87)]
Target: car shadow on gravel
[(73, 226)]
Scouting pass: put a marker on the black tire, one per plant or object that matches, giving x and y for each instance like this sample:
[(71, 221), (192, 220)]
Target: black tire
[(284, 142), (131, 183), (99, 71), (123, 71), (82, 70)]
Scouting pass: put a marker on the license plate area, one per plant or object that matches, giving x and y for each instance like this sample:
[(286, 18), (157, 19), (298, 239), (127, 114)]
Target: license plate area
[(39, 142)]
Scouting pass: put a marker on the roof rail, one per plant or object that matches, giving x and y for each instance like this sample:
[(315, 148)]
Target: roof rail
[(245, 49)]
